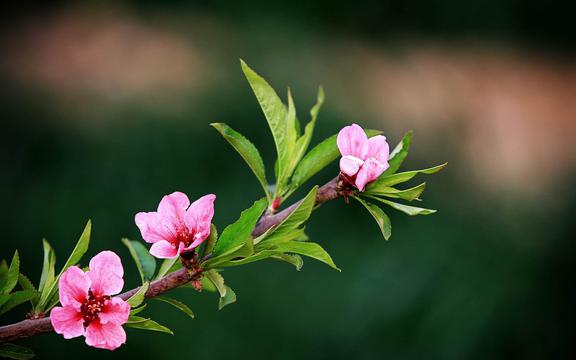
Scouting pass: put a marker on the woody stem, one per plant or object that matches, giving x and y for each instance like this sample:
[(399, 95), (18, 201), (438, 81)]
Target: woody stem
[(32, 327)]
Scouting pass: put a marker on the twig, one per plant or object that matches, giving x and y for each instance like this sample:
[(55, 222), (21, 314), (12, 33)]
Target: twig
[(31, 327)]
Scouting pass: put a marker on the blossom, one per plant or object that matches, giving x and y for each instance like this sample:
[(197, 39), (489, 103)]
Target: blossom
[(87, 306), (363, 160), (177, 227)]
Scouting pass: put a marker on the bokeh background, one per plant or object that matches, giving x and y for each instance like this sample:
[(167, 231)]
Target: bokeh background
[(106, 105)]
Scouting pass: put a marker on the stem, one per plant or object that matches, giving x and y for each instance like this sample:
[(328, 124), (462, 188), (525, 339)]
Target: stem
[(31, 327)]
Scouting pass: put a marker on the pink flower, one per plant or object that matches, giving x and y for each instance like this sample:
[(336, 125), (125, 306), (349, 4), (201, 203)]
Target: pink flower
[(87, 306), (177, 227), (363, 160)]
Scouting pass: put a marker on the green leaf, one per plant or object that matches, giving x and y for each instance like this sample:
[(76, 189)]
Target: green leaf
[(393, 179), (48, 272), (399, 153), (318, 158), (217, 280), (274, 111), (25, 283), (309, 249), (209, 247), (407, 194), (248, 151), (166, 268), (293, 259), (4, 298), (13, 351), (11, 278), (145, 262), (137, 310), (410, 210), (296, 217), (380, 216), (273, 239), (234, 235), (177, 304), (76, 255), (17, 298), (138, 298), (207, 285), (147, 324), (227, 299)]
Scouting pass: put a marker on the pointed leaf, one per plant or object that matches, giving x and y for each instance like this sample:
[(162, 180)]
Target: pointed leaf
[(380, 216), (138, 298), (17, 298), (145, 262), (166, 267), (399, 153), (247, 151), (410, 210), (234, 236), (293, 259), (76, 255), (218, 281), (48, 272), (147, 324), (137, 310), (209, 247), (393, 179), (309, 249), (11, 278), (406, 194), (274, 111), (227, 299), (177, 304)]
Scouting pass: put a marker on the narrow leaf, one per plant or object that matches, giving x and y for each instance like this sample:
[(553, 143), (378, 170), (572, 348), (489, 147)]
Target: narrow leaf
[(11, 278), (166, 267), (148, 324), (406, 194), (410, 210), (17, 298), (399, 153), (209, 247), (138, 298), (137, 310), (177, 304), (218, 281), (393, 179), (48, 272), (380, 216), (309, 249), (145, 262), (293, 259), (247, 151)]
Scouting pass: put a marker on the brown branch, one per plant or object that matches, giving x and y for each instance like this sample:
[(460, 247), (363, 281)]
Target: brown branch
[(28, 328)]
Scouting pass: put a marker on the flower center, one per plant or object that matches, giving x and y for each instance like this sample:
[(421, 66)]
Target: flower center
[(92, 307), (185, 236)]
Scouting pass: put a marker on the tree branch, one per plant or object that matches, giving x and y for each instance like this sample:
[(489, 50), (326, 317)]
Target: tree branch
[(28, 328)]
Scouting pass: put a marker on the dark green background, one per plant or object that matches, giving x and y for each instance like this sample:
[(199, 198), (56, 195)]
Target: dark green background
[(487, 277)]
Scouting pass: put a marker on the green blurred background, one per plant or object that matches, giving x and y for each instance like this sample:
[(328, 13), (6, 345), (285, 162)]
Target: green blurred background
[(106, 105)]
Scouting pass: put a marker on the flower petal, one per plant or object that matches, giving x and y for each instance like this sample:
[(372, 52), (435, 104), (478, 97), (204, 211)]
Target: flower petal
[(370, 171), (199, 216), (67, 321), (378, 148), (352, 140), (350, 165), (163, 250), (115, 311), (173, 206), (73, 287), (105, 336), (106, 273), (152, 227)]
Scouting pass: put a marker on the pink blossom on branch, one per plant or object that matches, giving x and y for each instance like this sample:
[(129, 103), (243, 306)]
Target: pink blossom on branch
[(178, 226), (363, 160), (87, 306)]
